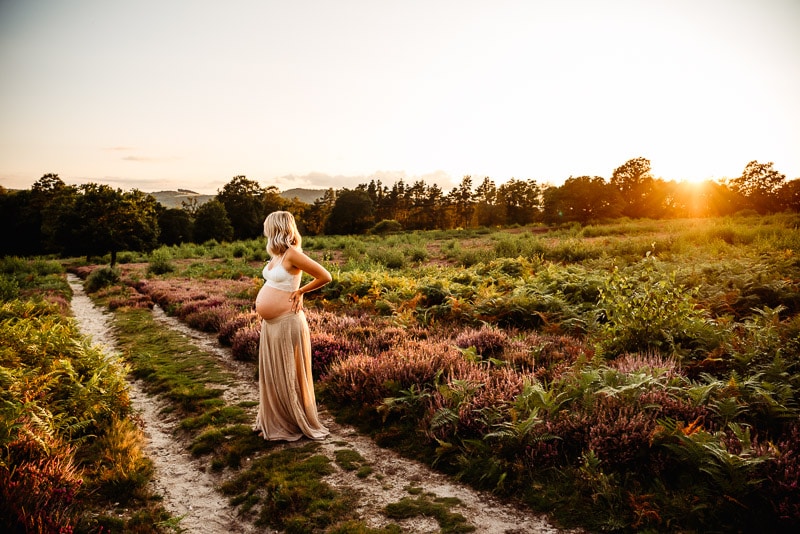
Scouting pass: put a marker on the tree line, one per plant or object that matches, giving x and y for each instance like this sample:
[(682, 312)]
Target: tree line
[(93, 219)]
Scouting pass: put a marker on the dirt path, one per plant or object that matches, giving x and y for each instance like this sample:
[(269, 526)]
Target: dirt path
[(188, 490)]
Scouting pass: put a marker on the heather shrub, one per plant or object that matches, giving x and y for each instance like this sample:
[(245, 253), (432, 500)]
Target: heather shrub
[(417, 254), (199, 304), (378, 338), (471, 257), (549, 355), (126, 297), (618, 432), (210, 319), (239, 250), (244, 345), (235, 323), (489, 342), (368, 380), (471, 402), (780, 476), (516, 267), (9, 288), (39, 482), (327, 349)]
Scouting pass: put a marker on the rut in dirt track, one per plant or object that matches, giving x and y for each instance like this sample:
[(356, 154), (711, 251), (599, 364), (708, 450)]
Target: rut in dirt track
[(188, 488)]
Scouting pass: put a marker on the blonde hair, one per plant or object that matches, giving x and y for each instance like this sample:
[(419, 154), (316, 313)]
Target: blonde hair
[(281, 232)]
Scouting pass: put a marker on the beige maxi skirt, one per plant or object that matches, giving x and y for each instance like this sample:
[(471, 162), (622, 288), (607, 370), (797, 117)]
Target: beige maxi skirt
[(287, 407)]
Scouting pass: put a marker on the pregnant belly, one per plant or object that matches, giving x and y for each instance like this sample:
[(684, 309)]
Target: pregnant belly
[(271, 302)]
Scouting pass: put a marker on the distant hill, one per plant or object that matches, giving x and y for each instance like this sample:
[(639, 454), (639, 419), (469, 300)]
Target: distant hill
[(174, 199), (306, 195)]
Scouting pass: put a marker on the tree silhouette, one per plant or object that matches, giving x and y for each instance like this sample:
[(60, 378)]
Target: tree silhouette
[(99, 219), (635, 185), (352, 213), (461, 199), (243, 201), (487, 211), (582, 199), (789, 195), (317, 215), (176, 226), (211, 222), (520, 201), (760, 185)]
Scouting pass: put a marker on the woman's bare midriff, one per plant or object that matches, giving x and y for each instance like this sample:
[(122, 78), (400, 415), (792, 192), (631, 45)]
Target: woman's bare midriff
[(272, 303)]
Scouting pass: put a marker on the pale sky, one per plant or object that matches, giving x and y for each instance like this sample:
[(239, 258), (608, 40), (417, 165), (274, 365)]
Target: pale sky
[(161, 94)]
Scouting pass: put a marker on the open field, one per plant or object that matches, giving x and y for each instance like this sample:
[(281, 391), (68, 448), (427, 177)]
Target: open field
[(636, 375)]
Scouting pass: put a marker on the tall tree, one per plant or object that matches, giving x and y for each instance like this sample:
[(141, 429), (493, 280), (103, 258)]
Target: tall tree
[(21, 225), (48, 184), (520, 201), (760, 184), (317, 215), (633, 181), (433, 208), (24, 216), (211, 222), (272, 200), (176, 226), (104, 220), (461, 199), (243, 201), (397, 203), (487, 210), (352, 213), (581, 199), (790, 195), (417, 201)]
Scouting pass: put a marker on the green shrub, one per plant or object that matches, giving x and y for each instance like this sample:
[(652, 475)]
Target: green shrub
[(160, 262), (386, 227), (9, 288), (390, 258), (647, 310), (100, 278), (417, 254)]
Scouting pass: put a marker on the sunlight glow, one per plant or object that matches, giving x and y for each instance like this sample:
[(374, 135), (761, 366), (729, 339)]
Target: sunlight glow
[(311, 94)]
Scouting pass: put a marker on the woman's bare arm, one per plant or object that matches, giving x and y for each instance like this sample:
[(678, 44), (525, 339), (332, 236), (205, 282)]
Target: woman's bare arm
[(321, 276)]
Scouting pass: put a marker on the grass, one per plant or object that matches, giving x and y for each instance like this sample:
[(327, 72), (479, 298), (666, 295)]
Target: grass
[(351, 460), (429, 505), (285, 490), (721, 298), (167, 363)]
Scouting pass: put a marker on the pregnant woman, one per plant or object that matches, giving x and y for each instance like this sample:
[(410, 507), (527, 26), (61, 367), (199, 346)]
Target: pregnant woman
[(287, 408)]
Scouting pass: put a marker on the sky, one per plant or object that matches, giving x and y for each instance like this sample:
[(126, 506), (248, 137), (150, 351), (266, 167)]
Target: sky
[(166, 94)]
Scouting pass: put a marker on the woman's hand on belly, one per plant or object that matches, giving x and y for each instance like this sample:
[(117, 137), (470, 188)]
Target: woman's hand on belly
[(271, 302)]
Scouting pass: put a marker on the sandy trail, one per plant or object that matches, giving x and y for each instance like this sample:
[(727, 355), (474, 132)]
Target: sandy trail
[(189, 490)]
